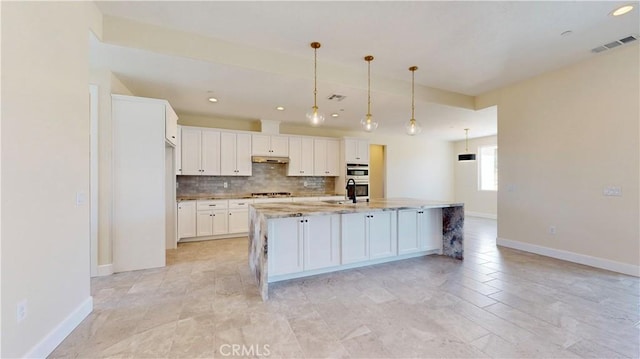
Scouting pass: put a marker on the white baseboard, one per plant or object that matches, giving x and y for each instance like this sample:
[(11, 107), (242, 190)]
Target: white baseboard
[(57, 335), (481, 215), (601, 263), (105, 269)]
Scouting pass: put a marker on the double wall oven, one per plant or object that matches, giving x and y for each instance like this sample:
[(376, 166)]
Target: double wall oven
[(360, 174)]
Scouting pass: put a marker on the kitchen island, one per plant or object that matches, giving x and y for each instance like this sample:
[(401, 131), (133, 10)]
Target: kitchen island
[(293, 240)]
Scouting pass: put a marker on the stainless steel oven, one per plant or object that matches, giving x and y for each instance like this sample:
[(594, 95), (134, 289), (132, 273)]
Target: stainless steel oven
[(360, 174), (357, 171)]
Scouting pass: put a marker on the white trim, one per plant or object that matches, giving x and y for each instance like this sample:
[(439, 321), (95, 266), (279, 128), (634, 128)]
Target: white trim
[(481, 215), (602, 263), (61, 331), (93, 222), (105, 269)]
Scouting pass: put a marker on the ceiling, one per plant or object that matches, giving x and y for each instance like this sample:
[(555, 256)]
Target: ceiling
[(464, 47)]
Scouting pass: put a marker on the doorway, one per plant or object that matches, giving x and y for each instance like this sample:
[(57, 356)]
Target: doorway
[(377, 171)]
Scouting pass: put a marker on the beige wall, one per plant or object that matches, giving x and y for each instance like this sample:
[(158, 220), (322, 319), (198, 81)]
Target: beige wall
[(476, 202), (563, 136), (45, 163)]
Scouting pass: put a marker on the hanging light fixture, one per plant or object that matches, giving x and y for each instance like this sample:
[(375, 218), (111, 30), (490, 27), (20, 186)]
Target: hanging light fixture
[(315, 117), (463, 157), (413, 127), (367, 122)]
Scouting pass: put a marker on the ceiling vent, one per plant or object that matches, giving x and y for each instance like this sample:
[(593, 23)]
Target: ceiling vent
[(612, 44), (336, 97)]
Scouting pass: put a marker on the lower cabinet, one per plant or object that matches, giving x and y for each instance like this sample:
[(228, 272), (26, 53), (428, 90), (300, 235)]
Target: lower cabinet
[(186, 219), (419, 230), (368, 236), (238, 220), (211, 222), (303, 243)]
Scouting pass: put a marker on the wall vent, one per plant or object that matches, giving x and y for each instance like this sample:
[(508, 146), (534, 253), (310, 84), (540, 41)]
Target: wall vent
[(336, 97), (612, 44)]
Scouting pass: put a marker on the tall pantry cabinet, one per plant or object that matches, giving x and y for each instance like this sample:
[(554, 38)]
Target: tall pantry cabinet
[(143, 217)]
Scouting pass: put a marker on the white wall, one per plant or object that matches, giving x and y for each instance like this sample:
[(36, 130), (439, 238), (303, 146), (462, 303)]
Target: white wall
[(476, 202), (563, 137), (45, 164)]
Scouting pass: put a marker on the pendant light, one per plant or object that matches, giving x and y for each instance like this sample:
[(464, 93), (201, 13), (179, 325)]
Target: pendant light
[(315, 117), (464, 157), (413, 127), (367, 122)]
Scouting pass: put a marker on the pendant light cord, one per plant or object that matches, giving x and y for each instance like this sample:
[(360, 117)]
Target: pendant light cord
[(369, 88), (413, 75), (466, 141), (315, 77)]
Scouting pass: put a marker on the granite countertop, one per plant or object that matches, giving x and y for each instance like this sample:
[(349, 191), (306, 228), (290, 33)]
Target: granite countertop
[(209, 196), (298, 209)]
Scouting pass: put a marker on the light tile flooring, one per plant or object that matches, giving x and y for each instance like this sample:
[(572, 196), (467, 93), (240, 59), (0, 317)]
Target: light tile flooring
[(498, 302)]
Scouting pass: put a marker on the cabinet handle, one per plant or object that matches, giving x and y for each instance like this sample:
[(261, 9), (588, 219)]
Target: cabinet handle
[(173, 136), (240, 204), (212, 205), (229, 213), (301, 221), (357, 158), (211, 215)]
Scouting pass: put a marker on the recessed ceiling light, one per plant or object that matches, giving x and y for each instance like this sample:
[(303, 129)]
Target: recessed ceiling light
[(622, 10), (334, 115), (280, 108), (213, 99)]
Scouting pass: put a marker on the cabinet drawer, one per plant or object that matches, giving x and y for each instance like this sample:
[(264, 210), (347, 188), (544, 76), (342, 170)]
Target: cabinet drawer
[(213, 204), (240, 203)]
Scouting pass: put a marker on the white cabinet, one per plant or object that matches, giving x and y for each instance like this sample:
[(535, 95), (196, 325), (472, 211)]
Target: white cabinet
[(326, 155), (269, 145), (368, 236), (178, 152), (238, 215), (303, 243), (356, 151), (321, 241), (301, 154), (285, 247), (171, 125), (200, 150), (235, 158), (211, 218), (419, 230), (186, 219)]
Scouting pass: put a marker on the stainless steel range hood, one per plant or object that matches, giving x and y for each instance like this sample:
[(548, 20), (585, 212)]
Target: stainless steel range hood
[(269, 159)]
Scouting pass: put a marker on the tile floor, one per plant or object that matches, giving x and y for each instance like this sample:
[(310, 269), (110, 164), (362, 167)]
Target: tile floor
[(498, 302)]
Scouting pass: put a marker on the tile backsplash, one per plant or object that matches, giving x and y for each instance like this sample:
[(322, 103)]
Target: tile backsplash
[(266, 177)]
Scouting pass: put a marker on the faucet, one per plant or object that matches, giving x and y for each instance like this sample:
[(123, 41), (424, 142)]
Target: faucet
[(351, 180)]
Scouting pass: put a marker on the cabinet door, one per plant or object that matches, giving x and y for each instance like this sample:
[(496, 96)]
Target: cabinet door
[(261, 145), (280, 146), (408, 240), (354, 240), (210, 157), (321, 241), (204, 223), (178, 152), (333, 158), (190, 150), (295, 157), (319, 157), (243, 154), (220, 222), (363, 151), (351, 151), (430, 227), (227, 154), (285, 254), (238, 220), (186, 219), (307, 155), (171, 125), (382, 242)]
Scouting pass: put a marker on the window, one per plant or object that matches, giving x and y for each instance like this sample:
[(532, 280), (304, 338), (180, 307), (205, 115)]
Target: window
[(488, 168)]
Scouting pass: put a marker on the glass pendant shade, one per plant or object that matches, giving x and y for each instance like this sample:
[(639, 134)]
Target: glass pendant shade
[(368, 124), (413, 127), (315, 117)]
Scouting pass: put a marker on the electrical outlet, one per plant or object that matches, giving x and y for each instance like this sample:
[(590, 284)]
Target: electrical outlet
[(21, 311), (81, 198), (612, 191), (552, 230), (225, 185), (305, 184)]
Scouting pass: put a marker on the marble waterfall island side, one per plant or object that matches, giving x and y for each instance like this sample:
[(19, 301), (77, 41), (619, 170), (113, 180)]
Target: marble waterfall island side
[(293, 240)]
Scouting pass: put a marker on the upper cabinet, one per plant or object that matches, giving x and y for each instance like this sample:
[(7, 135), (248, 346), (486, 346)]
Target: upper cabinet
[(300, 156), (236, 154), (326, 154), (200, 152), (171, 125), (356, 151), (270, 145)]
